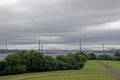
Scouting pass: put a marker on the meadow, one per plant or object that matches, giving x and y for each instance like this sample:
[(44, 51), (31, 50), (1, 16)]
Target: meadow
[(113, 64), (92, 71)]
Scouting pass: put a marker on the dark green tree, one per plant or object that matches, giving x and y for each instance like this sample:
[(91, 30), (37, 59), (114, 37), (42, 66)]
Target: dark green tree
[(91, 56), (117, 56), (50, 63), (35, 61), (104, 57)]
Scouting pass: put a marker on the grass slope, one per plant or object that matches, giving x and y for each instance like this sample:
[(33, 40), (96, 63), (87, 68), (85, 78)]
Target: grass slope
[(92, 71), (113, 64)]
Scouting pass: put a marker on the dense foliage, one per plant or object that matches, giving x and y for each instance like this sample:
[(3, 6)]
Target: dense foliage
[(115, 56), (32, 61), (91, 56), (104, 57)]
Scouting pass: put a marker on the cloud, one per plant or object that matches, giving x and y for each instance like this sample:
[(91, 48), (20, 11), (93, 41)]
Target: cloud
[(95, 21)]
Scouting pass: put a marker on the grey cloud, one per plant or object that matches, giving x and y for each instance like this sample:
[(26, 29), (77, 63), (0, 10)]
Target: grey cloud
[(68, 19)]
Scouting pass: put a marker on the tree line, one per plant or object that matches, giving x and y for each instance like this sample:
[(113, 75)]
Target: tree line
[(115, 56), (33, 61)]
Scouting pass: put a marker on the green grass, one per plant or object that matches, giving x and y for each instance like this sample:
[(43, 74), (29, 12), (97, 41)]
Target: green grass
[(113, 64), (92, 71)]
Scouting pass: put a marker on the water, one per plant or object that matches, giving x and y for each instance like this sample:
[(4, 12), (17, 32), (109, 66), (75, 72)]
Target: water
[(2, 56)]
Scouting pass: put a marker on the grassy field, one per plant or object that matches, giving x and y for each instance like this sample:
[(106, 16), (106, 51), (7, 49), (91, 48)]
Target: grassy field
[(113, 64), (92, 71)]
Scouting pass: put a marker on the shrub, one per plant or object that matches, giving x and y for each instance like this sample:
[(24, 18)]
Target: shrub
[(104, 57), (116, 56), (91, 56), (8, 70), (32, 61)]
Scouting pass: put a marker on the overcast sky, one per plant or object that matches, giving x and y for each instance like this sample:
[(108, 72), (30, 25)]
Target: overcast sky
[(93, 21)]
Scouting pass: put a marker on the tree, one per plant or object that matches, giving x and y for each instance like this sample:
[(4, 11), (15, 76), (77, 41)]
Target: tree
[(91, 56), (2, 65), (33, 61), (104, 57), (8, 70), (117, 56), (62, 62), (80, 57), (50, 63)]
